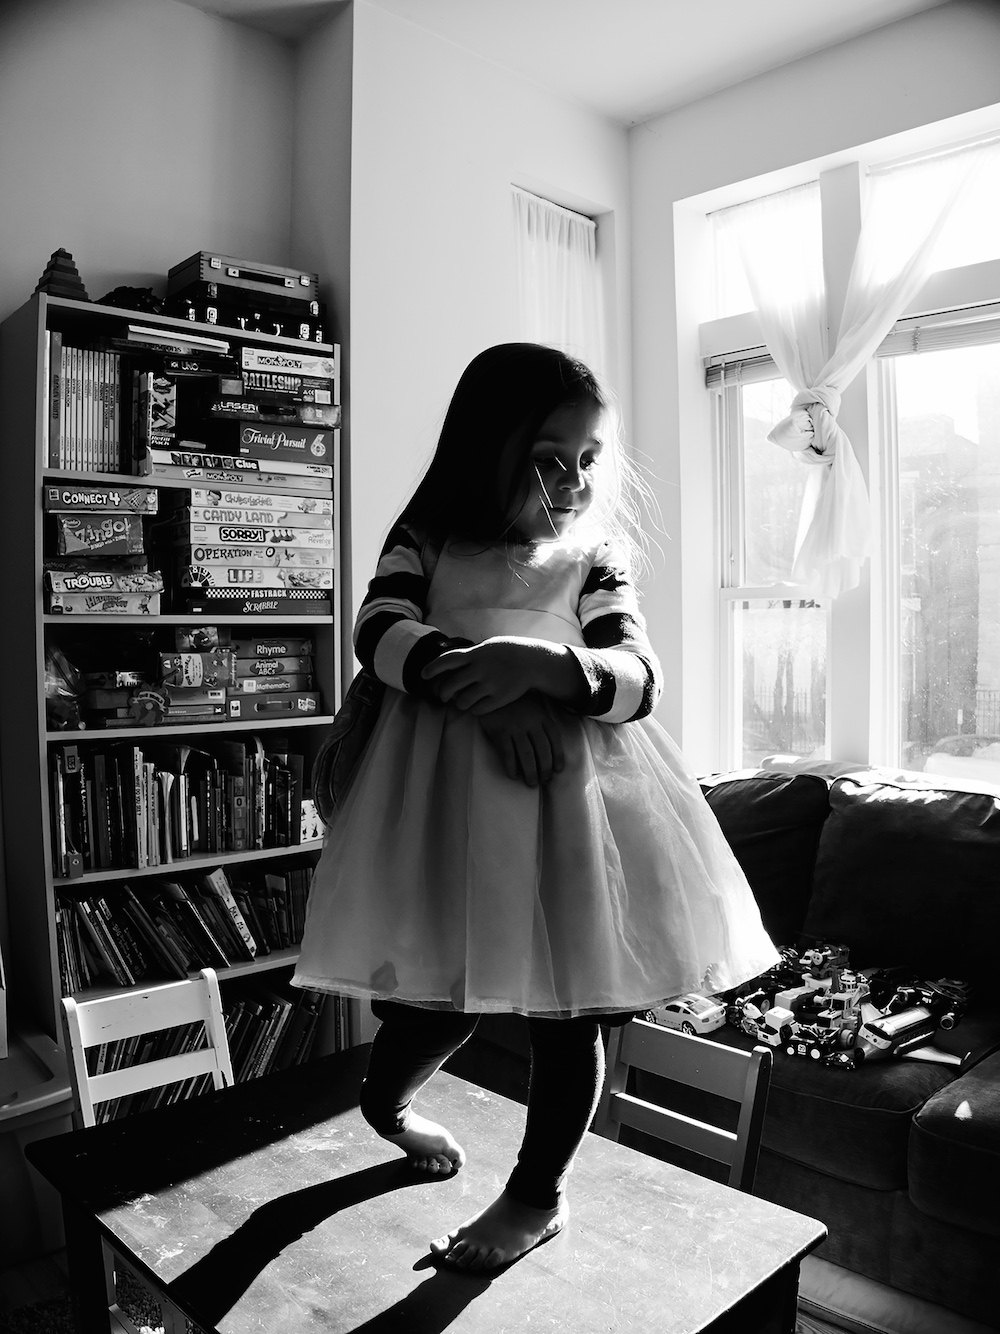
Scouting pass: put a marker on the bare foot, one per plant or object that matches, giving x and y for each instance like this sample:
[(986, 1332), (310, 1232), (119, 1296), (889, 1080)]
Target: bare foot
[(428, 1146), (505, 1230)]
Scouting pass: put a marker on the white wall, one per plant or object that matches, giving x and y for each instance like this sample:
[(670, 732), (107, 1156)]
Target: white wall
[(133, 133), (939, 64), (439, 136)]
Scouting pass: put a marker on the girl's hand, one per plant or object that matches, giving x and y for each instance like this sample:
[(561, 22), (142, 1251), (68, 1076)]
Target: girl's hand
[(527, 737), (487, 676), (483, 677)]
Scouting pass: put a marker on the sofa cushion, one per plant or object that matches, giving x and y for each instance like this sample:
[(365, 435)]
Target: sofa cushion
[(772, 822), (908, 872), (955, 1151)]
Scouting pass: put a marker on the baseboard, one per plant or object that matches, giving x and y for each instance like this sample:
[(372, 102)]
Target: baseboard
[(832, 1298)]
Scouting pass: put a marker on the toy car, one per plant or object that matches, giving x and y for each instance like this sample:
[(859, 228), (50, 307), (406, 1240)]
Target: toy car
[(691, 1014), (815, 1042)]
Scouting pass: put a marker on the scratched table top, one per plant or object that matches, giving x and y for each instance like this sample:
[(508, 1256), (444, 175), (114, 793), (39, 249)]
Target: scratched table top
[(273, 1206)]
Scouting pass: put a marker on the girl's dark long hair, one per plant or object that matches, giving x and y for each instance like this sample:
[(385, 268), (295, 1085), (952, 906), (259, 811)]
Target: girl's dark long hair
[(501, 400)]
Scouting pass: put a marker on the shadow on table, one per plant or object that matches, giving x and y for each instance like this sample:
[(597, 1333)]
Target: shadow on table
[(214, 1284)]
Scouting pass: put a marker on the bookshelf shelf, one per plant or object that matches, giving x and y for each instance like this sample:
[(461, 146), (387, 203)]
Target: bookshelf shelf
[(168, 618), (184, 729), (43, 819), (268, 963), (181, 865)]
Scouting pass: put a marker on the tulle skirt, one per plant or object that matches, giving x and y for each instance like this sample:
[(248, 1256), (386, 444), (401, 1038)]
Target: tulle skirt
[(444, 883)]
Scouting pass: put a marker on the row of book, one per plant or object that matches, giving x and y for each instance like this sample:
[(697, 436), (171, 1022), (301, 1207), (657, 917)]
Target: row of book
[(168, 928), (266, 1031), (129, 805)]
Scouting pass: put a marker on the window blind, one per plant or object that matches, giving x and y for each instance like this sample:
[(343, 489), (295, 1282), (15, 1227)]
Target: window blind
[(968, 327)]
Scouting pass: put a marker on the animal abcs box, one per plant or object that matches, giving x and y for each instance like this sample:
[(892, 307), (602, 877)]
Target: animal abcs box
[(99, 534)]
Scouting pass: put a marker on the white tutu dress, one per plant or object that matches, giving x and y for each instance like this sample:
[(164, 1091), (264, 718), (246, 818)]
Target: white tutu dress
[(445, 883)]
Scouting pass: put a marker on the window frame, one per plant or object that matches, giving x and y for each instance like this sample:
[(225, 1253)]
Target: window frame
[(863, 723)]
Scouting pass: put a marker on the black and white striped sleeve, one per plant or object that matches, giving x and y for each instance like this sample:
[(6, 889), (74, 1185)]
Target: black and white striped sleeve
[(621, 670), (390, 637)]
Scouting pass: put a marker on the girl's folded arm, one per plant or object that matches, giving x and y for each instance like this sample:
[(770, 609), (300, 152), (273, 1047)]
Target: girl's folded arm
[(390, 637), (622, 672)]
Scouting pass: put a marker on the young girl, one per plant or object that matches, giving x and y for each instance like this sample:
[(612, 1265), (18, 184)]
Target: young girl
[(520, 836)]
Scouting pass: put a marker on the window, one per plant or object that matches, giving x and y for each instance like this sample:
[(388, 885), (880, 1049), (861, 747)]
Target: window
[(776, 639), (559, 298), (941, 456), (906, 671)]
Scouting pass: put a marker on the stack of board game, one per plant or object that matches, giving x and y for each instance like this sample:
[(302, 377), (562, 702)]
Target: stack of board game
[(249, 553), (244, 294), (268, 417), (95, 560)]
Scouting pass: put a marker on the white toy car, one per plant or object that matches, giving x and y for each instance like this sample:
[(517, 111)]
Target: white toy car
[(692, 1014)]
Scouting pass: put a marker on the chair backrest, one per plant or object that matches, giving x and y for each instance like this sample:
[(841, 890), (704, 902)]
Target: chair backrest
[(130, 1014), (739, 1076)]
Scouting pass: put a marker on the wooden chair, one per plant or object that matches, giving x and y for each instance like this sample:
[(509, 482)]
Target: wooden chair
[(129, 1014), (739, 1076)]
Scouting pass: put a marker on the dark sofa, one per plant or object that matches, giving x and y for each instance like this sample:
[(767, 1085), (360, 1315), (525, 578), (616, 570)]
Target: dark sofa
[(900, 1158)]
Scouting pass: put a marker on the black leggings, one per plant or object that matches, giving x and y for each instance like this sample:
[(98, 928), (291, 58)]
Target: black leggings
[(567, 1072)]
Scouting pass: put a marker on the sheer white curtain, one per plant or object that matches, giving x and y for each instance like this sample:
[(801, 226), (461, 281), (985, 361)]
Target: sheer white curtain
[(558, 279), (780, 240)]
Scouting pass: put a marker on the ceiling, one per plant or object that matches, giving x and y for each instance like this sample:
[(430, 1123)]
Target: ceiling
[(627, 59)]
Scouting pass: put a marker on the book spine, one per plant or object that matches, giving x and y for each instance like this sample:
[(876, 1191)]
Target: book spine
[(87, 398), (56, 369), (218, 884)]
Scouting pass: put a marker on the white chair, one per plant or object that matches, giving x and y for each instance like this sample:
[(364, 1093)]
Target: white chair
[(129, 1014), (737, 1076)]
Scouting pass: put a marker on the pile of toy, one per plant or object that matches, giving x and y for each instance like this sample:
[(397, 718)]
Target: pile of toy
[(813, 1004)]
